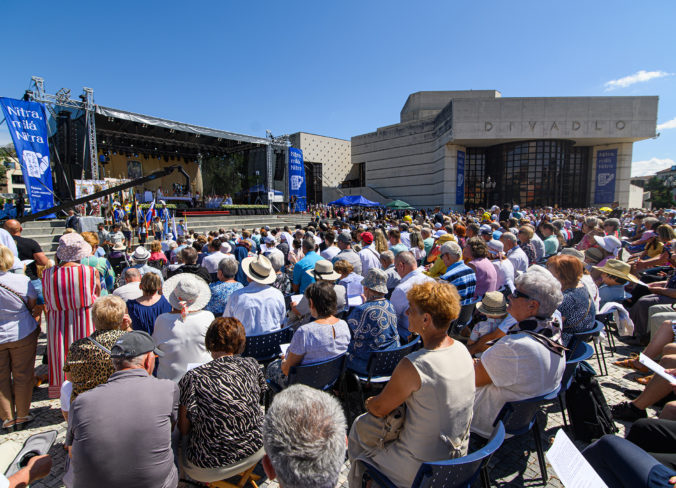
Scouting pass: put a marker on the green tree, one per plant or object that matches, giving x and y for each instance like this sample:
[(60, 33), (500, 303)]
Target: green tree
[(660, 194)]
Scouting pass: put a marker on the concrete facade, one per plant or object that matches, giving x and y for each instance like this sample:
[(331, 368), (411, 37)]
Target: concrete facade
[(416, 159), (332, 154)]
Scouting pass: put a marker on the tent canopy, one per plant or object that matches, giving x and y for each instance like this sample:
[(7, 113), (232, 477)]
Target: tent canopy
[(398, 204), (354, 201)]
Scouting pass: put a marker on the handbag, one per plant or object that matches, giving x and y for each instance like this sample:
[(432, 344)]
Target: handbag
[(377, 432)]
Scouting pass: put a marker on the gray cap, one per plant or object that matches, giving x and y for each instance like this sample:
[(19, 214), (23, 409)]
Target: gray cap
[(134, 344), (345, 237), (376, 280)]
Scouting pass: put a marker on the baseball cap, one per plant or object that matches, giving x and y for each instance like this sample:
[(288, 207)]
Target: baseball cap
[(345, 237), (367, 237), (133, 344)]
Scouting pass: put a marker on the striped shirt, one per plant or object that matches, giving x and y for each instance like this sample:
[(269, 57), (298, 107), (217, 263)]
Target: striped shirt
[(463, 278)]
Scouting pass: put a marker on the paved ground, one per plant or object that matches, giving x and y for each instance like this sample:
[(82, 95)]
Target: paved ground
[(514, 465)]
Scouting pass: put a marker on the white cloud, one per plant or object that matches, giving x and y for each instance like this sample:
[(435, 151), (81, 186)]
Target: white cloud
[(638, 77), (671, 124), (651, 166)]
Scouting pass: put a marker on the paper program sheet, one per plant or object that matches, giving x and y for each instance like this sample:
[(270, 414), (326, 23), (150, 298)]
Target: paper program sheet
[(656, 367), (570, 466)]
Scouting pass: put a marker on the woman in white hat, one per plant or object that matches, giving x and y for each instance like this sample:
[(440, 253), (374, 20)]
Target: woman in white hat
[(180, 333), (373, 324)]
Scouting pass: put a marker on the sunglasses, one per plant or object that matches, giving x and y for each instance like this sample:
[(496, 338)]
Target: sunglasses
[(517, 294)]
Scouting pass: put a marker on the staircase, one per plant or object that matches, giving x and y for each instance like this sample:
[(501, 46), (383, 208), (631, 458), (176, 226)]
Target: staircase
[(47, 232)]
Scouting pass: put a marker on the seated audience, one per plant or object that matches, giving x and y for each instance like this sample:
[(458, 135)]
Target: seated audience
[(373, 324), (156, 253), (387, 263), (410, 275), (258, 306), (578, 312), (188, 257), (304, 438), (497, 323), (131, 290), (476, 255), (348, 278), (179, 334), (140, 261), (457, 272), (109, 453), (528, 361), (323, 271), (324, 338), (282, 281), (615, 276), (503, 266), (439, 378), (144, 310), (219, 413)]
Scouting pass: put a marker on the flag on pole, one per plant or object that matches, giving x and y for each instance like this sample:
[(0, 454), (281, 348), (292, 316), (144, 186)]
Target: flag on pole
[(149, 214), (173, 225)]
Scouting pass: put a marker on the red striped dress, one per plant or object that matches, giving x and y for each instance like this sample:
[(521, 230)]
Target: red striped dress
[(69, 296)]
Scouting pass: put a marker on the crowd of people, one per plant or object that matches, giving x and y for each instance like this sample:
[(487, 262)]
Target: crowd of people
[(159, 330)]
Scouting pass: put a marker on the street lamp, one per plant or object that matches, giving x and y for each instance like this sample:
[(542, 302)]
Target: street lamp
[(487, 187)]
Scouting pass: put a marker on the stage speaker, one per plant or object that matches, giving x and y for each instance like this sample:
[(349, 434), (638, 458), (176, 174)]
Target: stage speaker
[(279, 166)]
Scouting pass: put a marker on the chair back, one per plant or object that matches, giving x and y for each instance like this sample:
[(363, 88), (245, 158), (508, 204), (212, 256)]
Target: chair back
[(118, 264), (156, 263), (265, 347), (605, 318), (382, 363), (582, 352), (460, 471), (322, 375), (519, 416), (584, 336)]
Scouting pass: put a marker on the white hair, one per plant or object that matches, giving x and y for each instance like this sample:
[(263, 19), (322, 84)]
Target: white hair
[(304, 437)]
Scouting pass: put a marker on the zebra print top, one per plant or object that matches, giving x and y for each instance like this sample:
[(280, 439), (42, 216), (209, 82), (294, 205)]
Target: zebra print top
[(222, 398)]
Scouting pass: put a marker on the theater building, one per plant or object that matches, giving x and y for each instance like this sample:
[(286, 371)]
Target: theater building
[(465, 149)]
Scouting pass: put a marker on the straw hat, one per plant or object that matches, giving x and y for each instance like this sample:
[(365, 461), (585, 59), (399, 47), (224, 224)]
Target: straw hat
[(259, 269), (188, 288), (119, 246), (72, 248), (615, 267), (445, 238), (493, 303), (323, 270)]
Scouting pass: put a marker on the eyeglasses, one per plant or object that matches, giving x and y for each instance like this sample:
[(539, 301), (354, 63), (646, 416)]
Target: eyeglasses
[(517, 294)]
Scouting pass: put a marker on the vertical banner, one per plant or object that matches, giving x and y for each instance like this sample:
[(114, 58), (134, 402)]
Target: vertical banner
[(606, 168), (27, 123), (297, 179), (460, 182)]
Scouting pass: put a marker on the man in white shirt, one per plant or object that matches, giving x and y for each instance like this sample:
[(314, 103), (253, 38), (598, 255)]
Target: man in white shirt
[(215, 256), (331, 249), (370, 258), (132, 290), (258, 306), (514, 253), (404, 235), (407, 267)]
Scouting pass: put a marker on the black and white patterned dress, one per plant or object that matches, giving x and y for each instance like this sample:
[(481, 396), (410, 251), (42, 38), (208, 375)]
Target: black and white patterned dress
[(222, 399)]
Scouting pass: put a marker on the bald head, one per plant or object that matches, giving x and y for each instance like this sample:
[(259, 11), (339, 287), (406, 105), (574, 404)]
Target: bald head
[(13, 227)]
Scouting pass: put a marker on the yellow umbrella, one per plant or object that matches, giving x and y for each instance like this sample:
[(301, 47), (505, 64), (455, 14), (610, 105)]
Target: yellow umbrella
[(606, 209)]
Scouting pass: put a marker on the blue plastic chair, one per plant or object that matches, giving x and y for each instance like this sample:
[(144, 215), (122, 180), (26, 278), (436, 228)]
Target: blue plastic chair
[(582, 352), (381, 365), (519, 417), (593, 334), (265, 347), (451, 473), (322, 375)]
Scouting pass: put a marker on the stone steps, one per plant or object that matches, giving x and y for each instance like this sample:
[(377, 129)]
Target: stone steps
[(48, 232)]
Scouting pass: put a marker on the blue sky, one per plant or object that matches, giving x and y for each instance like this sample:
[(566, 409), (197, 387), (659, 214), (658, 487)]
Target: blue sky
[(339, 68)]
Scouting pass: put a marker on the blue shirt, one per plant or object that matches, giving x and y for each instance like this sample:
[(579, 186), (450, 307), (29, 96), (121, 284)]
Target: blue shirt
[(374, 328), (463, 278), (220, 292), (397, 248), (300, 276), (611, 294)]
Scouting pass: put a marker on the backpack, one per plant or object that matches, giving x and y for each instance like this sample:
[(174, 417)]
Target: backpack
[(587, 408)]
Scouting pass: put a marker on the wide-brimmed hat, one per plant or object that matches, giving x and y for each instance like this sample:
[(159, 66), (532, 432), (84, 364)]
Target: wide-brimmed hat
[(72, 247), (571, 251), (376, 280), (259, 269), (119, 246), (323, 270), (140, 254), (493, 303), (618, 268), (188, 288)]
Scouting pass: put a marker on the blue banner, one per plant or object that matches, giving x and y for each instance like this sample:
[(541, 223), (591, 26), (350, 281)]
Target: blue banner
[(27, 123), (460, 182), (606, 168), (297, 197)]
